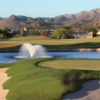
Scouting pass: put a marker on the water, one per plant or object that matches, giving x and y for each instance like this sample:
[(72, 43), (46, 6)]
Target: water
[(9, 57)]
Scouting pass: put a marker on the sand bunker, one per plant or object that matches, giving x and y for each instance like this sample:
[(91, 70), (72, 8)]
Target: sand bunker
[(90, 91), (3, 78)]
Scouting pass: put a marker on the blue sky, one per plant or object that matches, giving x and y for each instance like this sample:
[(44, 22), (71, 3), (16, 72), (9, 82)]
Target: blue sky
[(45, 8)]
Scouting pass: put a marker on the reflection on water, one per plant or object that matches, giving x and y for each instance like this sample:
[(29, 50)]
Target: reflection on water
[(9, 57)]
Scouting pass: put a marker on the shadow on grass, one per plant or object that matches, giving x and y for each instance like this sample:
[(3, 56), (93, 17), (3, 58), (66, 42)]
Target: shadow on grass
[(16, 48), (63, 46), (74, 46)]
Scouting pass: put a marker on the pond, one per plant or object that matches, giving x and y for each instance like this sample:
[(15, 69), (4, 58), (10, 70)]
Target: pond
[(9, 57)]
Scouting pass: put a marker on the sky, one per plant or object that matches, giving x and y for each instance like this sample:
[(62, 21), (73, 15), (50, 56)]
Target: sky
[(45, 8)]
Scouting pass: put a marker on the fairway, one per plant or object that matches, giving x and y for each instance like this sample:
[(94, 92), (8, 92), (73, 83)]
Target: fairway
[(79, 64), (50, 43)]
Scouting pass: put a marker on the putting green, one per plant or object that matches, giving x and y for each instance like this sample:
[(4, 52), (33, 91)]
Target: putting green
[(88, 64)]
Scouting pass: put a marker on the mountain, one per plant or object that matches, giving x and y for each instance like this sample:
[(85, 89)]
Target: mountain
[(1, 18), (89, 18), (14, 22)]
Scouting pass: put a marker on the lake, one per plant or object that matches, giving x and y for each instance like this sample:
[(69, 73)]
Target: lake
[(9, 57)]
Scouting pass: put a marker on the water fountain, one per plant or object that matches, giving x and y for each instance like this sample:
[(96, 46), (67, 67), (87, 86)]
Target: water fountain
[(32, 51)]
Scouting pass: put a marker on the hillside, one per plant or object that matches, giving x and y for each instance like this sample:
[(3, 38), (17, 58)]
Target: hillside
[(89, 18)]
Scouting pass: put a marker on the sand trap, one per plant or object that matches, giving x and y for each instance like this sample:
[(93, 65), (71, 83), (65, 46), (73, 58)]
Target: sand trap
[(3, 78), (90, 91)]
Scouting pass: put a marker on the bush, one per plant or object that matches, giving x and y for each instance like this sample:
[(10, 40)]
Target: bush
[(62, 32), (64, 36), (44, 33), (6, 33), (33, 33), (93, 30), (1, 35), (18, 35), (59, 33)]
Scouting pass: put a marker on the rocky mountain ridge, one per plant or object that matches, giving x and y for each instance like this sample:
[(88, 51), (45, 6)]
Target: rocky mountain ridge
[(89, 18)]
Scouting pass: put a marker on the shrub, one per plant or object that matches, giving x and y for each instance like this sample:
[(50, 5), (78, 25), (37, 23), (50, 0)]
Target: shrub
[(1, 35), (64, 36), (62, 32), (18, 35), (93, 30), (33, 33), (44, 33)]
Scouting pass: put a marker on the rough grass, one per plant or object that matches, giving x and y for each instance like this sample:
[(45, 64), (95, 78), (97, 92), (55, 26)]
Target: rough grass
[(32, 82), (50, 43)]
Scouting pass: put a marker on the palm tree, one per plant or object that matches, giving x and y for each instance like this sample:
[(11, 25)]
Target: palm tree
[(97, 25)]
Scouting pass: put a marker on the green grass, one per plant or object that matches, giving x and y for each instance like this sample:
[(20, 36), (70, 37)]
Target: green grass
[(32, 82), (80, 64), (50, 43)]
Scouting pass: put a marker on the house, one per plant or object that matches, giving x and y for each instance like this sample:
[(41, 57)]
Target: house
[(79, 35), (15, 31), (25, 31), (98, 33), (77, 30)]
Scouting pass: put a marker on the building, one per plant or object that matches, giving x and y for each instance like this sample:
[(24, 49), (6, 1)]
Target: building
[(79, 35), (15, 31), (25, 31), (98, 33)]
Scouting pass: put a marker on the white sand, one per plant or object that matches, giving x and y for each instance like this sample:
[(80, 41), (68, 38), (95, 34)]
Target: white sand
[(90, 91), (3, 78)]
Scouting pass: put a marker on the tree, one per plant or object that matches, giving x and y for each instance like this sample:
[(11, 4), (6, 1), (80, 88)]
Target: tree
[(64, 36), (30, 28), (43, 28), (62, 32), (21, 31), (83, 27), (33, 33), (37, 28), (44, 33), (97, 25), (6, 32), (89, 29), (0, 31), (5, 29)]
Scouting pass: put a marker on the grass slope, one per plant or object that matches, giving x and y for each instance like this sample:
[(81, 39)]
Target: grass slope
[(32, 82), (50, 43)]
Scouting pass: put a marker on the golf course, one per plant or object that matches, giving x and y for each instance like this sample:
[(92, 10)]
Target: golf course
[(48, 78), (50, 43)]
